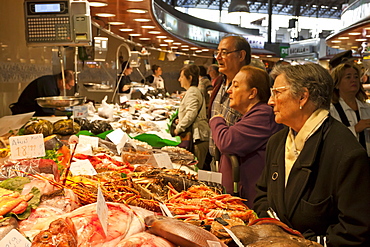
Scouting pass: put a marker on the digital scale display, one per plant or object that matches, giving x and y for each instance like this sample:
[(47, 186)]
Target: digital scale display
[(47, 8)]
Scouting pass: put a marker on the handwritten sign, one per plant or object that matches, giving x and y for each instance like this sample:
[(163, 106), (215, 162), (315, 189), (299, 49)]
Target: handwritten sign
[(27, 146), (215, 177), (14, 239), (92, 140), (102, 211), (80, 111), (82, 167)]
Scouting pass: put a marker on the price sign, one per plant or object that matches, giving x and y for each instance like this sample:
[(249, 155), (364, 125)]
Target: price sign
[(82, 167), (14, 239), (80, 111), (92, 140), (215, 177), (163, 160), (102, 211), (28, 146), (117, 135)]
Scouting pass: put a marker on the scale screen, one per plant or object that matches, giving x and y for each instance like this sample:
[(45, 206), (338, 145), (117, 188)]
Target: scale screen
[(47, 8)]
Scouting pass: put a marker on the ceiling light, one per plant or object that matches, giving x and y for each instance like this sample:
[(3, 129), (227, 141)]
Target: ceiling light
[(163, 44), (185, 49), (148, 27), (184, 46), (336, 41), (134, 0), (205, 49), (105, 15), (360, 39), (126, 29), (174, 47), (343, 37), (177, 43), (354, 47), (268, 55), (335, 46), (194, 48), (144, 38), (168, 40), (135, 34), (115, 23), (142, 20), (154, 32), (354, 33), (161, 37), (98, 3), (137, 11), (367, 36), (198, 51)]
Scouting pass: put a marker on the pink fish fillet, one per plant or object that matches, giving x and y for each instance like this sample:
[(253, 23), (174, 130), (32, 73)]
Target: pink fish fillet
[(145, 239)]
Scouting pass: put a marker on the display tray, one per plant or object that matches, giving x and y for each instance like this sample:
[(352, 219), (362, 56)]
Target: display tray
[(60, 101)]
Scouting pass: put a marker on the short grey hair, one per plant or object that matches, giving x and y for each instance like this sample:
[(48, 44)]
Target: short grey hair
[(312, 76)]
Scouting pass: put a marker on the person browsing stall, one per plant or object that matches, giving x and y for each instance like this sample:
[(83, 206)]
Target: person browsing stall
[(124, 79), (192, 113), (44, 86), (317, 175), (349, 102), (247, 138)]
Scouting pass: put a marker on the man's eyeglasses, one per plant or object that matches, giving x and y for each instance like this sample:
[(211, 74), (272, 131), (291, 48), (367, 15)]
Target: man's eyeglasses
[(276, 90), (223, 54)]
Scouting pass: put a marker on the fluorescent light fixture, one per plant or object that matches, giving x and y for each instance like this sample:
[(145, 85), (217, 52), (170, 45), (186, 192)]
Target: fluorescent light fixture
[(184, 46), (148, 27), (161, 37), (185, 49), (174, 47), (154, 32), (116, 23), (198, 51), (176, 43), (193, 48), (360, 39), (97, 4), (354, 33), (144, 38), (135, 34), (137, 11), (105, 15), (142, 20), (168, 40), (336, 41), (205, 49), (126, 29), (343, 37), (163, 44)]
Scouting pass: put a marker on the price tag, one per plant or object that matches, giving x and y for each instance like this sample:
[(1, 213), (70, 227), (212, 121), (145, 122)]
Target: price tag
[(84, 149), (117, 135), (215, 177), (92, 140), (80, 111), (163, 160), (102, 211), (235, 238), (82, 167), (27, 146), (213, 243), (165, 210), (14, 239)]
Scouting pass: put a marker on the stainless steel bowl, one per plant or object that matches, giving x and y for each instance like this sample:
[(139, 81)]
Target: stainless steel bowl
[(60, 101)]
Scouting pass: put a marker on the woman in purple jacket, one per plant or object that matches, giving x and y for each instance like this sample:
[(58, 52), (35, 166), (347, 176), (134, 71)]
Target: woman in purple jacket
[(246, 139)]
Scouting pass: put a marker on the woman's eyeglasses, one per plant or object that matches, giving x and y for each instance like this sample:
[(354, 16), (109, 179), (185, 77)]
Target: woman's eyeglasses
[(276, 90), (223, 53)]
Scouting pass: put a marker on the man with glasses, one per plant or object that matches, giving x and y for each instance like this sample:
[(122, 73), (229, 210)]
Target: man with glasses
[(232, 54), (44, 86)]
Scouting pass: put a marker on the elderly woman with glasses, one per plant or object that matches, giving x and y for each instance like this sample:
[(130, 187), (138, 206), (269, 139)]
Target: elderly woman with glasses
[(247, 138), (317, 175)]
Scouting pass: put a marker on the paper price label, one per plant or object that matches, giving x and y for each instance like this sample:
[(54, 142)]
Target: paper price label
[(213, 243), (80, 111), (92, 140), (102, 211), (82, 167), (163, 160), (14, 239), (215, 177), (28, 146), (117, 135)]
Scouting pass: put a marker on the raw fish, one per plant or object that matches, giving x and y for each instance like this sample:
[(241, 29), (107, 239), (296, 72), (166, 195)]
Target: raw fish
[(145, 239)]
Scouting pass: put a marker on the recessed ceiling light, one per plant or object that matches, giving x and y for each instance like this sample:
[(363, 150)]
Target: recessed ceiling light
[(354, 33), (198, 51), (144, 38), (137, 11), (343, 37), (174, 47), (97, 4), (335, 46), (176, 43), (168, 40), (336, 41), (205, 49), (185, 49), (184, 46), (135, 34), (268, 55), (142, 20), (134, 0), (161, 37), (116, 23), (105, 15), (126, 29), (360, 39), (354, 47), (163, 44), (148, 27), (154, 32), (194, 48)]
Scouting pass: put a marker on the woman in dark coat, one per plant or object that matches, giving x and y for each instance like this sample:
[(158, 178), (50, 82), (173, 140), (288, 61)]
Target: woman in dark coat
[(317, 175)]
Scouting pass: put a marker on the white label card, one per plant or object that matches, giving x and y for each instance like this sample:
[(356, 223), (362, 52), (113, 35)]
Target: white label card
[(27, 146), (80, 111), (213, 243), (215, 177), (14, 239), (163, 160), (84, 149), (102, 211), (165, 210), (92, 140), (82, 167)]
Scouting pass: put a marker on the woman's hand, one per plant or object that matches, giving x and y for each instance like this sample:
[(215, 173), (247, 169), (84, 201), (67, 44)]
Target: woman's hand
[(218, 115), (362, 124), (126, 87)]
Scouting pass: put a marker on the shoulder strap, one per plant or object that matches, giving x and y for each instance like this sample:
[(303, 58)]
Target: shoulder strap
[(341, 113)]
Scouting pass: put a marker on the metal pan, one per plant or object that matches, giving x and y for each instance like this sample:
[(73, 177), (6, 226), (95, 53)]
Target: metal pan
[(60, 101)]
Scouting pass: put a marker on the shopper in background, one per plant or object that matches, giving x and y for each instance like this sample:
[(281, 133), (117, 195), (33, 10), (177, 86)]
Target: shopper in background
[(192, 113), (44, 86), (232, 53), (246, 139), (342, 57), (155, 80), (258, 63), (349, 102), (205, 85), (317, 175), (215, 75), (124, 79)]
